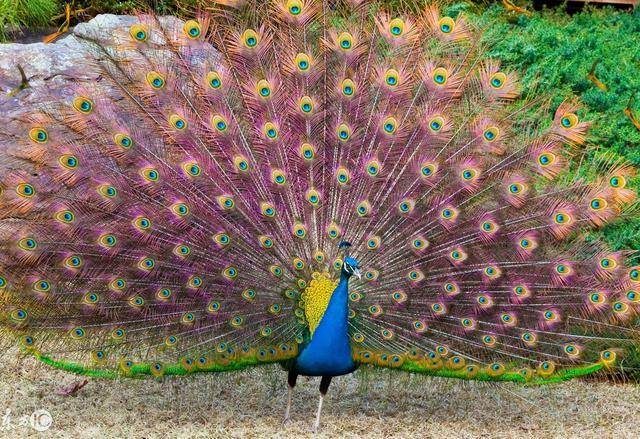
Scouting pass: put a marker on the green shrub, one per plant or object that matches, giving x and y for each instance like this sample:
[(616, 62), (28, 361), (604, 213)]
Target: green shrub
[(26, 13)]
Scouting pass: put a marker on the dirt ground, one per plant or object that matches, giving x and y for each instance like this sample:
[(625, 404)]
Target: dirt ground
[(250, 404)]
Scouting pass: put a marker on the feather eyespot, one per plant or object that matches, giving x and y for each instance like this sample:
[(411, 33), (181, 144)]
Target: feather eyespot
[(77, 333), (419, 243), (345, 41), (225, 202), (219, 123), (497, 80), (141, 223), (334, 231), (25, 190), (263, 88), (192, 29), (396, 27), (195, 282), (91, 298), (236, 321), (164, 294), (568, 120), (419, 326), (608, 357), (267, 210), (123, 141), (41, 286), (139, 33), (450, 288), (214, 80), (177, 122), (118, 284), (83, 105), (620, 308), (491, 134), (529, 338), (73, 262), (415, 275), (344, 132), (608, 264), (373, 168), (294, 7), (617, 182), (446, 25), (150, 174), (298, 264), (546, 158), (146, 264), (278, 177), (440, 76), (406, 206), (302, 62), (343, 176), (222, 239), (468, 323), (266, 242), (436, 123), (19, 315), (299, 230), (213, 307), (389, 125), (39, 135), (107, 240), (155, 80), (516, 188), (313, 197), (250, 38), (241, 164), (363, 208), (449, 213), (562, 218), (180, 209), (428, 170), (230, 273), (270, 131), (182, 250), (306, 105), (28, 244), (68, 161), (192, 169), (597, 204), (307, 151), (373, 242), (391, 78), (348, 88)]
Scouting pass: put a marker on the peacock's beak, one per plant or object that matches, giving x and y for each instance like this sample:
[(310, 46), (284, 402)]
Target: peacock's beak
[(356, 272)]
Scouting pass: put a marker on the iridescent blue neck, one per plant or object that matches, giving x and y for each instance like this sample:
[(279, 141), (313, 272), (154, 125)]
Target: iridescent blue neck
[(329, 351)]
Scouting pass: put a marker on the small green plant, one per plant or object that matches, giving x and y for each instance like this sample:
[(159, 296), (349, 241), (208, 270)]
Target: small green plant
[(25, 13)]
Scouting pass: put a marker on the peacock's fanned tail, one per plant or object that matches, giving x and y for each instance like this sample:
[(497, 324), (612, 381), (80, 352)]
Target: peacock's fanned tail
[(187, 207)]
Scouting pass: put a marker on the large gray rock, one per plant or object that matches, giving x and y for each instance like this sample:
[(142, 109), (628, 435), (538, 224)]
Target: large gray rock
[(51, 68), (54, 65)]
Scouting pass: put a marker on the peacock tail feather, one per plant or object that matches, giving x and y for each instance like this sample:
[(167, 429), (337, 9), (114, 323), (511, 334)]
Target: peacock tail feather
[(188, 206)]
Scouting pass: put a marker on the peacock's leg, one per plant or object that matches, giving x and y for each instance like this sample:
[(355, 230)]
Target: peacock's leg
[(324, 387), (291, 383)]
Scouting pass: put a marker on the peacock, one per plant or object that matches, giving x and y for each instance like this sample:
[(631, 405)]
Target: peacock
[(326, 185)]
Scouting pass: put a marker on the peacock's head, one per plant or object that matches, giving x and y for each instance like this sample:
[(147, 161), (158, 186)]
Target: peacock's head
[(351, 267)]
